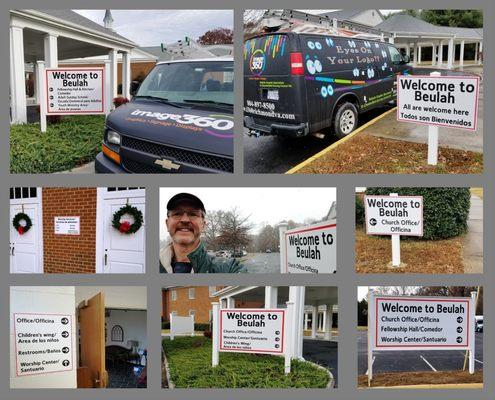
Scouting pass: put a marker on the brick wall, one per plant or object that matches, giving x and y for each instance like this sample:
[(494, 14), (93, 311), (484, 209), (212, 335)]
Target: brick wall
[(201, 303), (69, 253)]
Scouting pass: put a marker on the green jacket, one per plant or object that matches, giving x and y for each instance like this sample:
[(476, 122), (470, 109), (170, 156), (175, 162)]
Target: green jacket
[(202, 263)]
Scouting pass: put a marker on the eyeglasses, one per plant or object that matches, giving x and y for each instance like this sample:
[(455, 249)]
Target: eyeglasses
[(191, 214)]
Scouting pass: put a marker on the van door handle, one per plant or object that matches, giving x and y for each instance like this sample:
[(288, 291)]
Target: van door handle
[(13, 249), (106, 256)]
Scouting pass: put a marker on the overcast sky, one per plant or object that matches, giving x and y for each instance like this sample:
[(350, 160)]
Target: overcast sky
[(264, 205), (153, 27)]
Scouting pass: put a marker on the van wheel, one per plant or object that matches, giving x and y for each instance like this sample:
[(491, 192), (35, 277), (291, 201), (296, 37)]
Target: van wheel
[(346, 119)]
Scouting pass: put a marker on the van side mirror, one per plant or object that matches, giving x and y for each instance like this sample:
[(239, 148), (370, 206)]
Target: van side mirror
[(406, 59), (134, 88)]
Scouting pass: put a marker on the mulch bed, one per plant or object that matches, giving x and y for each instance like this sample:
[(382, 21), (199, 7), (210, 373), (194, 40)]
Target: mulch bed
[(374, 253), (421, 378), (366, 154)]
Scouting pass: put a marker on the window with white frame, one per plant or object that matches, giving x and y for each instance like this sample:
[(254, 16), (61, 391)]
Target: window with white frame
[(191, 293), (173, 295)]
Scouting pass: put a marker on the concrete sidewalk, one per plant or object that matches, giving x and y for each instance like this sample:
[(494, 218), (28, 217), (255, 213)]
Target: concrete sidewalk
[(472, 246)]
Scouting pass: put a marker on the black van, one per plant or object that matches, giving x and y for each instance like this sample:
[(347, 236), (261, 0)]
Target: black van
[(180, 120), (296, 84)]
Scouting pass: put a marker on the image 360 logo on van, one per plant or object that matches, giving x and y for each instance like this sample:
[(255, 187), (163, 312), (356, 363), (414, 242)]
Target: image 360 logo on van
[(257, 62)]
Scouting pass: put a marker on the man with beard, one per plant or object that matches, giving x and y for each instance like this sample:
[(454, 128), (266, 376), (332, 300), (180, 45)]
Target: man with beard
[(186, 253)]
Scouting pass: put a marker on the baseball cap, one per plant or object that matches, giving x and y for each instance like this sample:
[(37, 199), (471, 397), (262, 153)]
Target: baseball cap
[(189, 198)]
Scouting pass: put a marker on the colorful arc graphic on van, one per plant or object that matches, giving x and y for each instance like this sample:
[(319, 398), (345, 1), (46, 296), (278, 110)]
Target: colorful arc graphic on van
[(274, 45), (219, 134)]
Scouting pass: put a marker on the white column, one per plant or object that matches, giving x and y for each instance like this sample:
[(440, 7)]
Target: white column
[(50, 44), (328, 322), (126, 74), (314, 321), (480, 50), (450, 57), (230, 302), (433, 54), (415, 54), (408, 50), (17, 78), (461, 54), (440, 53), (271, 294), (112, 56), (323, 321), (391, 39), (382, 37), (296, 295), (306, 316), (419, 54)]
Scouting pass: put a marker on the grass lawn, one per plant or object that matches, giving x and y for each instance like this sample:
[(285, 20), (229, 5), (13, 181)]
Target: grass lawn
[(374, 253), (72, 142), (366, 154), (190, 367), (421, 378)]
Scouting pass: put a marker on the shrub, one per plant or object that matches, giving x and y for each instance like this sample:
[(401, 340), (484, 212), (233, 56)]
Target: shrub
[(118, 101), (201, 327), (445, 210), (359, 211)]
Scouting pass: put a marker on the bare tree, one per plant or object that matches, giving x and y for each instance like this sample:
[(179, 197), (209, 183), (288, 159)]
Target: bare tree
[(234, 230), (212, 230)]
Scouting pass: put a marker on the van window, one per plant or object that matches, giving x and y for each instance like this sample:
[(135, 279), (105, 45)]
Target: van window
[(176, 82), (266, 55), (395, 56)]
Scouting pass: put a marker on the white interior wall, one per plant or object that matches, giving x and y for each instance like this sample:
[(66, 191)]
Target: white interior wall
[(133, 322), (43, 300)]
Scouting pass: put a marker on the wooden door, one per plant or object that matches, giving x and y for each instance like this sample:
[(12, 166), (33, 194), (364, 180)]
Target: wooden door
[(92, 372)]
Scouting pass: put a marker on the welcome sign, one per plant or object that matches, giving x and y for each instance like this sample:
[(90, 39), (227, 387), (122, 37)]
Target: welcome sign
[(75, 91), (252, 330), (311, 249), (417, 323)]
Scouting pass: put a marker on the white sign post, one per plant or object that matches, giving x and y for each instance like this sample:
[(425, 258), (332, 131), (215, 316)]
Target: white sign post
[(436, 100), (67, 225), (394, 215), (399, 323), (251, 330), (43, 343), (72, 91), (310, 249)]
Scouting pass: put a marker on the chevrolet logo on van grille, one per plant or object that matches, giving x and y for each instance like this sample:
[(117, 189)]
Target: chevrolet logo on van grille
[(167, 164)]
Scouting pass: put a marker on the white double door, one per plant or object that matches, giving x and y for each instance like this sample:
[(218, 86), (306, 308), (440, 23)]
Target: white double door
[(26, 249), (118, 252)]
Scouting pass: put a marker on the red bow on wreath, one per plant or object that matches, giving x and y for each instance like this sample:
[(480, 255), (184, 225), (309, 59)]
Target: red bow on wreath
[(124, 226), (20, 229)]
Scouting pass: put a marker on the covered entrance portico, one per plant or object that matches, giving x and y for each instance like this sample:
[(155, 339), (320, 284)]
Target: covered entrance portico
[(440, 46), (276, 297), (52, 35)]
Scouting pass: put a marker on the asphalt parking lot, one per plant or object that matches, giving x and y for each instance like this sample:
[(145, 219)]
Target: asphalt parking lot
[(322, 352), (413, 361)]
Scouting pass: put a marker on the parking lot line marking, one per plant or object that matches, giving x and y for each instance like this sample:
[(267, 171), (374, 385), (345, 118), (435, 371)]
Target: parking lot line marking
[(426, 361), (372, 362), (337, 143)]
